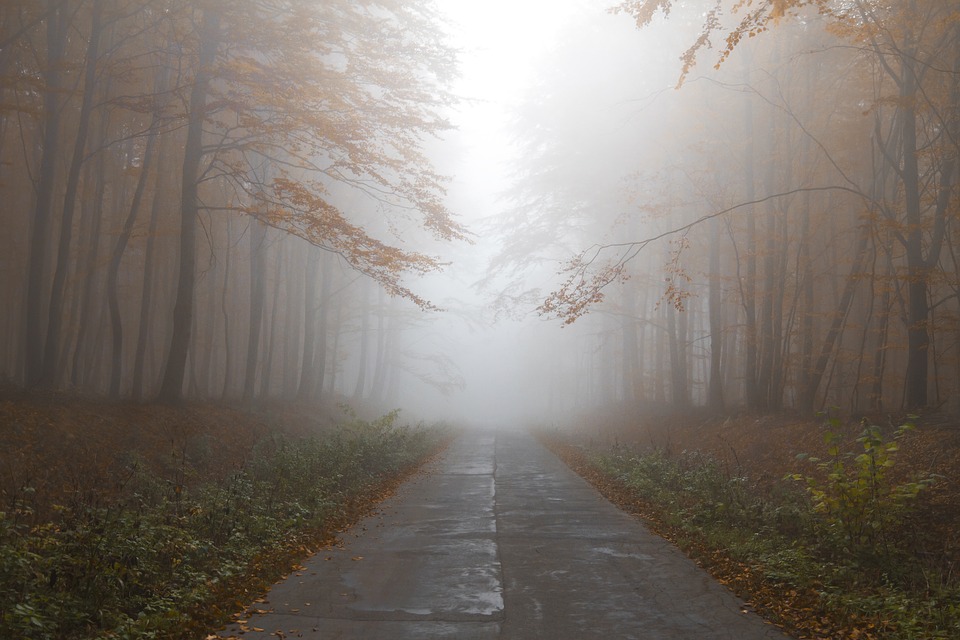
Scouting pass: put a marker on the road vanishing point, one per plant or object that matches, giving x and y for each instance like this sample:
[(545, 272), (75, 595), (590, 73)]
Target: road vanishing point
[(499, 539)]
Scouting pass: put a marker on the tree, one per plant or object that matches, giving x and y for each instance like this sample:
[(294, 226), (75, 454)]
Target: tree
[(914, 43), (305, 88)]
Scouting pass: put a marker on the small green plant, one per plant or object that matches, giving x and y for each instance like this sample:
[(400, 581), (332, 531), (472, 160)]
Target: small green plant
[(859, 503)]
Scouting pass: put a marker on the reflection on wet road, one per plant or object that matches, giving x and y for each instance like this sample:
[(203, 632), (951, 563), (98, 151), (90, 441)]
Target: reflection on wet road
[(500, 540)]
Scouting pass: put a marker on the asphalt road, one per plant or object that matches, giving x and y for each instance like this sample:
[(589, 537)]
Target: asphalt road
[(500, 540)]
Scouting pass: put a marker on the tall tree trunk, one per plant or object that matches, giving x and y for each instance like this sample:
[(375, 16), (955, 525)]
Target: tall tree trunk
[(92, 211), (364, 340), (806, 396), (320, 357), (51, 350), (227, 347), (631, 364), (171, 387), (748, 288), (40, 231), (659, 390), (839, 320), (919, 266), (715, 391), (335, 352), (113, 271), (266, 378), (147, 284), (678, 376), (292, 348), (257, 233), (779, 343), (378, 389), (918, 337), (308, 368)]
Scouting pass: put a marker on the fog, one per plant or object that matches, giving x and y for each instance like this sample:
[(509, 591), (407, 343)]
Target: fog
[(518, 367), (511, 213)]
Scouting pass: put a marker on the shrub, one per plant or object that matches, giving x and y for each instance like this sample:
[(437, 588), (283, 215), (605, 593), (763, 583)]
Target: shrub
[(861, 507)]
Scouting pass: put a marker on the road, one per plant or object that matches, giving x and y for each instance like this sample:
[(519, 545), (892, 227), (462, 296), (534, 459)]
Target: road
[(500, 540)]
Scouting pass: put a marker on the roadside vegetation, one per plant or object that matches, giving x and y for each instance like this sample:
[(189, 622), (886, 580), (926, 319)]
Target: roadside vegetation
[(846, 541), (155, 522)]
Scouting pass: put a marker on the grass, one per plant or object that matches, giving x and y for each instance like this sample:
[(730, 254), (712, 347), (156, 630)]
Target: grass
[(838, 548), (163, 546)]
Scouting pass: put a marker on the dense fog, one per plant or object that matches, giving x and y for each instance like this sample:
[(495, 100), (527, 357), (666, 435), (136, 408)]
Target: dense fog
[(493, 213)]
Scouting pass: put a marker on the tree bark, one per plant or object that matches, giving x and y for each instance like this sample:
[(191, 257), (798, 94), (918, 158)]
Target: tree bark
[(227, 349), (51, 350), (113, 272), (308, 365), (147, 284), (715, 391), (171, 387), (40, 232), (364, 341), (91, 210), (257, 236), (836, 326)]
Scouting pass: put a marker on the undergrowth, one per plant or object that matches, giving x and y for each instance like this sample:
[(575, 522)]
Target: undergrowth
[(839, 537), (163, 556)]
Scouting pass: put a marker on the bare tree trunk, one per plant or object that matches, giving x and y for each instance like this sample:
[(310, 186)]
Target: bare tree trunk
[(335, 352), (171, 387), (308, 368), (227, 347), (320, 357), (51, 350), (146, 287), (40, 232), (715, 391), (257, 236), (378, 388), (839, 320), (659, 393), (292, 348), (113, 271), (91, 211), (920, 266), (678, 376), (918, 336), (364, 340), (880, 355)]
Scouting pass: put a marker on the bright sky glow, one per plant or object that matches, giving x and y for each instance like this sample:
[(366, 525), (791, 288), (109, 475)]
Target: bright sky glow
[(499, 41)]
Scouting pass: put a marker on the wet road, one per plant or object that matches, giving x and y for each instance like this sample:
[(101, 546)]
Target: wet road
[(501, 540)]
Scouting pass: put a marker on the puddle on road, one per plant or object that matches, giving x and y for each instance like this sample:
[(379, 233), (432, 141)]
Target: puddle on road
[(608, 551)]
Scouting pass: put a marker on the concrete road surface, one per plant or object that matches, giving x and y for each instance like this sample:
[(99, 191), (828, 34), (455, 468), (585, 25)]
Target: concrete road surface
[(501, 540)]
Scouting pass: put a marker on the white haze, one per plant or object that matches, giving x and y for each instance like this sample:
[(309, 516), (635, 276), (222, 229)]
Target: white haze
[(517, 368)]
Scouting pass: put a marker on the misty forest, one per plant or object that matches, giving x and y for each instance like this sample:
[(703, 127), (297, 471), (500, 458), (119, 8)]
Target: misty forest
[(282, 240)]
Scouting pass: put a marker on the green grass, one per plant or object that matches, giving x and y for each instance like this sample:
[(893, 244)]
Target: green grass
[(165, 557)]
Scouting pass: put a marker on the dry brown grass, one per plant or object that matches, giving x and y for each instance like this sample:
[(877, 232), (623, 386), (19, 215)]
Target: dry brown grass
[(64, 446)]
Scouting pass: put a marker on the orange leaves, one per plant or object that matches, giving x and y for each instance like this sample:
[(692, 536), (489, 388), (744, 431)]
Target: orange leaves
[(582, 289), (302, 209), (643, 10), (317, 115)]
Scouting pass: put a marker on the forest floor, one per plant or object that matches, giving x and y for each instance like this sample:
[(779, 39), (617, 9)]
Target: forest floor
[(59, 443), (166, 520), (765, 449)]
